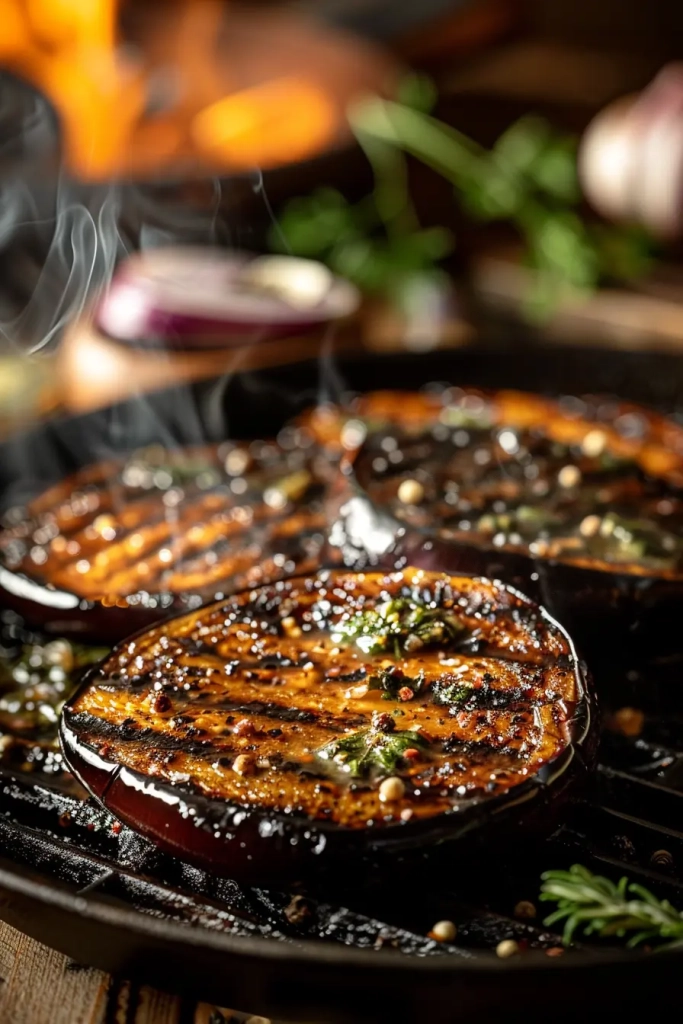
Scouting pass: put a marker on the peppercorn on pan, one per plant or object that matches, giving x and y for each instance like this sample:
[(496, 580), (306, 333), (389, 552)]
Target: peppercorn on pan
[(423, 936)]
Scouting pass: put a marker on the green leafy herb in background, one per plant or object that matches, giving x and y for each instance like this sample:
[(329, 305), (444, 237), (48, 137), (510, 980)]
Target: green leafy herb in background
[(528, 178), (595, 905)]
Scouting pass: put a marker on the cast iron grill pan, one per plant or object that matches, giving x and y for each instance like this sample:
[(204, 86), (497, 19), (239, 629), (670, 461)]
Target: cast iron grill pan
[(74, 878)]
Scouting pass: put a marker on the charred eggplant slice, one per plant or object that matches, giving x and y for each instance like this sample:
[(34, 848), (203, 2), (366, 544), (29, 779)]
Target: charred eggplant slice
[(577, 501), (273, 735), (120, 544)]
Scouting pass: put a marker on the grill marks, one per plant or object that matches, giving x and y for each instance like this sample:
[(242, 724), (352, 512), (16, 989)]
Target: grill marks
[(147, 739), (101, 536), (588, 483), (249, 565), (186, 700)]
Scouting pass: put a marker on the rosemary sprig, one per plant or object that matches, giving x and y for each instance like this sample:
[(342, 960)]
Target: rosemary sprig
[(599, 906)]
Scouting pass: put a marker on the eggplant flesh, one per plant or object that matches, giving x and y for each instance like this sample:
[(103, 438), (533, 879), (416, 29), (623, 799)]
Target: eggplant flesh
[(577, 501), (119, 544), (272, 735)]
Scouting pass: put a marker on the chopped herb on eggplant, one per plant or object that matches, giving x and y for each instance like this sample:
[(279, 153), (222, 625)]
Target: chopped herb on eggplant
[(371, 751), (633, 539), (608, 462), (534, 517), (457, 695), (451, 692), (139, 470), (466, 419), (396, 684), (400, 626)]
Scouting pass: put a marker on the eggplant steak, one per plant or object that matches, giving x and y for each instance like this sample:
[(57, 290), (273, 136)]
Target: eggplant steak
[(273, 735), (577, 501), (111, 548)]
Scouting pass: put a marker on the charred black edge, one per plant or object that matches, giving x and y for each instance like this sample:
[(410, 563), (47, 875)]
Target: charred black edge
[(614, 616), (254, 845)]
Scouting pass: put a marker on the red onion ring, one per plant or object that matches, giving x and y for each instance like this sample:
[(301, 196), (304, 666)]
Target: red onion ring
[(205, 298)]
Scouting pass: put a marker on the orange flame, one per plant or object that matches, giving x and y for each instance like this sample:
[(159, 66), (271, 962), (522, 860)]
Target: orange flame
[(196, 84)]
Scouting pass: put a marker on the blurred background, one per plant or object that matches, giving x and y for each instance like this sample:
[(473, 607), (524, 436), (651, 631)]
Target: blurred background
[(473, 168)]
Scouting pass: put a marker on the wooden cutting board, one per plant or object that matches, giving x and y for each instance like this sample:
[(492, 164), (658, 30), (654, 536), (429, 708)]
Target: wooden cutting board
[(40, 986)]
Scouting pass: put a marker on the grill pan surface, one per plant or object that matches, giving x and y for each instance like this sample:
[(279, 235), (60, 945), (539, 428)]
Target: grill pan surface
[(73, 878)]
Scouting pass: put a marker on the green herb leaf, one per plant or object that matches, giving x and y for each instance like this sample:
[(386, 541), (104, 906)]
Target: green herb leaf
[(555, 172), (523, 143), (529, 178), (417, 91), (559, 243), (371, 752), (493, 195), (624, 539), (598, 906), (469, 419), (399, 626), (452, 692), (176, 472), (392, 681), (310, 226)]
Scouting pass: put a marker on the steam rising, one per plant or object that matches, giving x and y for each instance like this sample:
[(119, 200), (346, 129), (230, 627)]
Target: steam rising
[(60, 244), (83, 236), (60, 241), (84, 247)]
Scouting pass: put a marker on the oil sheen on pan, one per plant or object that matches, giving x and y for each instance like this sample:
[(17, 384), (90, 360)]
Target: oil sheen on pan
[(272, 736)]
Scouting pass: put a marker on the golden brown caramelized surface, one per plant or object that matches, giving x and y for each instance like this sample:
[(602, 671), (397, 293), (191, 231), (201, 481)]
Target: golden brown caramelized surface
[(593, 482), (186, 521), (307, 696)]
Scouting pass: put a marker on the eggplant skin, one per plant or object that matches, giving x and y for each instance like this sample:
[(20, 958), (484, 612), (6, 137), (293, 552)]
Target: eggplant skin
[(620, 602), (122, 543), (252, 737)]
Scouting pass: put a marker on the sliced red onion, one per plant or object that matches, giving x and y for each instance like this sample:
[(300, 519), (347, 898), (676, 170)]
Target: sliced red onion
[(210, 297)]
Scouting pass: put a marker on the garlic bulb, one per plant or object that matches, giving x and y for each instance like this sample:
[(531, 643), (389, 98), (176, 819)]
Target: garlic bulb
[(631, 157)]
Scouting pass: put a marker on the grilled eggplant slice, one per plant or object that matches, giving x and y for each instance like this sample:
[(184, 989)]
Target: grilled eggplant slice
[(274, 735), (117, 545), (577, 501)]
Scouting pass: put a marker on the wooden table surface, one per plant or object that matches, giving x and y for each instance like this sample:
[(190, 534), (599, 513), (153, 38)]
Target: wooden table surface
[(41, 986)]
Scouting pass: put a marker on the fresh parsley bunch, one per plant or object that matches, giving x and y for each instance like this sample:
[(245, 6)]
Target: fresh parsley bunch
[(528, 179)]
